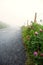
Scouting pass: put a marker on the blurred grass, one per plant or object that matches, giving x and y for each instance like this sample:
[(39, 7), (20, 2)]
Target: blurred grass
[(24, 36)]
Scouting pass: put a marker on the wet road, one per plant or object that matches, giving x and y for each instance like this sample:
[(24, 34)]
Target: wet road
[(12, 51)]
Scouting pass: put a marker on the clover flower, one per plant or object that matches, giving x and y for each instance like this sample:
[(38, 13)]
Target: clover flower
[(41, 54), (41, 30), (35, 53), (36, 33)]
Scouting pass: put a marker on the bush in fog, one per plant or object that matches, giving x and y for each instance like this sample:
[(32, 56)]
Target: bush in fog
[(2, 25)]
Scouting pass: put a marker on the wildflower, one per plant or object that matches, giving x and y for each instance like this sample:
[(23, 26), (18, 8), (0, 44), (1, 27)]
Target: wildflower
[(41, 54), (41, 30), (35, 53), (36, 33)]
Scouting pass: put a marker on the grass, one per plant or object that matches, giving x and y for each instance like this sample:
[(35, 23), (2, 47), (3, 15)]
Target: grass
[(32, 42), (24, 36)]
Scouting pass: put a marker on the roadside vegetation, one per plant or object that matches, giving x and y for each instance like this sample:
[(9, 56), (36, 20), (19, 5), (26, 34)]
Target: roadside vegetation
[(3, 25), (33, 42)]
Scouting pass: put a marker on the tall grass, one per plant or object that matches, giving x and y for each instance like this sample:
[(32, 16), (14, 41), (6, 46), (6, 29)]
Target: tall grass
[(32, 42)]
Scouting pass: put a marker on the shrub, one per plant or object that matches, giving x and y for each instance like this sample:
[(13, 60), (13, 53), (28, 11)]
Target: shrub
[(3, 25)]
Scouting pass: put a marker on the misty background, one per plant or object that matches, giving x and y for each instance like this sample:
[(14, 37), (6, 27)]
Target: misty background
[(17, 12)]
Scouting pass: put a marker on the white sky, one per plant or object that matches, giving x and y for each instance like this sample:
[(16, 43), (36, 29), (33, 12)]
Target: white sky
[(16, 12)]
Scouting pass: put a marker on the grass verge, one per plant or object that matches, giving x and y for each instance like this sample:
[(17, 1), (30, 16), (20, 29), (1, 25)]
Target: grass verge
[(33, 42)]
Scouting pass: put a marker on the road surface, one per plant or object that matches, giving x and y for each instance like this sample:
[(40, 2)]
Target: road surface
[(12, 51)]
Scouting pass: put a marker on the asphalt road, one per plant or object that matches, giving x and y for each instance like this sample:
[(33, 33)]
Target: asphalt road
[(12, 51)]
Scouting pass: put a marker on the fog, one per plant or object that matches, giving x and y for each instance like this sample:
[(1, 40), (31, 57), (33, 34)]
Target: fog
[(17, 12)]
